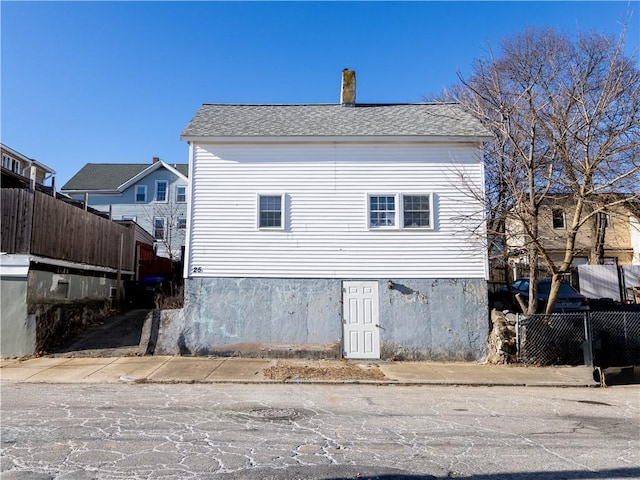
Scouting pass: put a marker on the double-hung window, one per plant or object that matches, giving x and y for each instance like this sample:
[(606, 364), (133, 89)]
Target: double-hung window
[(416, 211), (400, 211), (161, 190), (181, 223), (141, 193), (181, 194), (270, 211), (382, 211), (159, 228)]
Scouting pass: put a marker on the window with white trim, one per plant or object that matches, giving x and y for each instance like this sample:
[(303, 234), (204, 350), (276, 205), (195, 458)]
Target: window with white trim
[(270, 211), (141, 193), (159, 228), (382, 211), (161, 190), (11, 163), (181, 194), (416, 211), (400, 211), (181, 223)]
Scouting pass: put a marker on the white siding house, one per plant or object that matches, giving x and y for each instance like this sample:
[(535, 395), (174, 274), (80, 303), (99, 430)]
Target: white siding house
[(347, 230)]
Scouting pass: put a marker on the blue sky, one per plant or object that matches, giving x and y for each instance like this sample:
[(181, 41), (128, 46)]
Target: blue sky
[(117, 82)]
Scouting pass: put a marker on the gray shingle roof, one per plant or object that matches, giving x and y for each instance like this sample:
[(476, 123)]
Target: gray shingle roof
[(420, 119), (109, 176)]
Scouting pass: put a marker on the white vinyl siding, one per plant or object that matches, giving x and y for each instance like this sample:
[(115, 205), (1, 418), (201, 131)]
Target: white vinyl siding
[(327, 231)]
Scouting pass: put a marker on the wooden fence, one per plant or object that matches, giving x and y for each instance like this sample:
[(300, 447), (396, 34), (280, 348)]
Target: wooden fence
[(17, 218), (36, 223)]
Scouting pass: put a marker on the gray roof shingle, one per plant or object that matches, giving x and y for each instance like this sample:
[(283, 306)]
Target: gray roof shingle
[(417, 119), (109, 176)]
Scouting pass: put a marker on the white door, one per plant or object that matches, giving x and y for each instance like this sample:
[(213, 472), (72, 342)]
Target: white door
[(360, 319)]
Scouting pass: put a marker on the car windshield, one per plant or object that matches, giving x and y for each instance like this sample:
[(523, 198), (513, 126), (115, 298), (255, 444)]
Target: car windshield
[(565, 288)]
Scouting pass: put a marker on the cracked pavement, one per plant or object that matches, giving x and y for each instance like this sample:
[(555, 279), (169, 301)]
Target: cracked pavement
[(116, 431)]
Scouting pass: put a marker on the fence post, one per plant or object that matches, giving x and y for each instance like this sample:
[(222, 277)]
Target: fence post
[(587, 347), (518, 336), (119, 273), (626, 337)]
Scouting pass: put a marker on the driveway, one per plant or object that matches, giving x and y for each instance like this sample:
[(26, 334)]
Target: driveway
[(125, 334)]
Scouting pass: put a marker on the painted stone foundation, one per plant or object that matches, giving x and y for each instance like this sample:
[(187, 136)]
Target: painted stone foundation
[(34, 320), (420, 319)]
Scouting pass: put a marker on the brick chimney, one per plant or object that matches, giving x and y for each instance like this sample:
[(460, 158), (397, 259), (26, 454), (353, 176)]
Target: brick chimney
[(156, 159), (348, 89)]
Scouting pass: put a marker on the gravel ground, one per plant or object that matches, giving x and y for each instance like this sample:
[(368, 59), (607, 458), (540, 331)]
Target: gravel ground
[(316, 370)]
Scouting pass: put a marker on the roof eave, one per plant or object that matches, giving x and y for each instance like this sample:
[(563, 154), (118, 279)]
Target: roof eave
[(44, 167), (339, 139), (23, 157), (102, 191), (152, 168)]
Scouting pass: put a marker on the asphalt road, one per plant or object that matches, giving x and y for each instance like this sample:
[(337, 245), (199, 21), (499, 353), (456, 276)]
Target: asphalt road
[(119, 431)]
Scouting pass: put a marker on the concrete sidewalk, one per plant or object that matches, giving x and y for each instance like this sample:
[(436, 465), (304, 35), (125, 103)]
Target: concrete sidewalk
[(167, 369)]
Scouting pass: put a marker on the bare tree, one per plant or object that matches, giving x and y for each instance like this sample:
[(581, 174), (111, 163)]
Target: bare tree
[(169, 232), (566, 120)]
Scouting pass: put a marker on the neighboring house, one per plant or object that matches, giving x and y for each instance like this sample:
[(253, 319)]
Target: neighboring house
[(634, 226), (606, 261), (609, 237), (349, 230), (152, 195), (18, 168)]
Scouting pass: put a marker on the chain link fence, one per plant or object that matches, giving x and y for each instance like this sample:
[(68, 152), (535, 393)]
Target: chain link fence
[(615, 338), (587, 338)]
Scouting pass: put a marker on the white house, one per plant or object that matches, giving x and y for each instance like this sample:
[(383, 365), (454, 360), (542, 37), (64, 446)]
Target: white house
[(349, 230)]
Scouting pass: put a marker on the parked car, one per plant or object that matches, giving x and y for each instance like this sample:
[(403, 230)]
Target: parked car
[(569, 299)]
